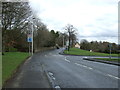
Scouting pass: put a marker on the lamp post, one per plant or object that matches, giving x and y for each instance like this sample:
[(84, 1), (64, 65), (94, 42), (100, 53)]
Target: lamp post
[(32, 36)]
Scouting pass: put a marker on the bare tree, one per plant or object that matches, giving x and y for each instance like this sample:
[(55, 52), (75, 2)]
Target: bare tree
[(70, 29), (14, 17)]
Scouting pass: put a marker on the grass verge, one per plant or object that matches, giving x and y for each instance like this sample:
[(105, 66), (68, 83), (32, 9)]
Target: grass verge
[(107, 59), (10, 62), (77, 51)]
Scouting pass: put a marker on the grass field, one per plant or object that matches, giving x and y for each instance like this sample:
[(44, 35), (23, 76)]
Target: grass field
[(10, 62), (107, 59), (76, 51)]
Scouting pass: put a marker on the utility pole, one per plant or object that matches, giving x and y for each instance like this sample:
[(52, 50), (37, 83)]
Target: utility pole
[(63, 40)]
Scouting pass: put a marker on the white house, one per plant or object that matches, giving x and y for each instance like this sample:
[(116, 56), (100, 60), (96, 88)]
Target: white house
[(77, 45)]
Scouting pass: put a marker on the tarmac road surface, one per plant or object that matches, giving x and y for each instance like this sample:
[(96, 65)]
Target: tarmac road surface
[(65, 72)]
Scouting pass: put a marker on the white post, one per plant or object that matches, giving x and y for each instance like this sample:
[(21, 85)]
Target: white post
[(110, 46), (32, 37), (29, 48)]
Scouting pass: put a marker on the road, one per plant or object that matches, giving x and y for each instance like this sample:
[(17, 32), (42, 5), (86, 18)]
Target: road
[(71, 71), (74, 72)]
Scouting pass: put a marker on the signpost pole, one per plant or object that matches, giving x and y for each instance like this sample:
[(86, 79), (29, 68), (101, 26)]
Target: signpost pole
[(29, 48), (110, 46), (110, 52), (32, 38)]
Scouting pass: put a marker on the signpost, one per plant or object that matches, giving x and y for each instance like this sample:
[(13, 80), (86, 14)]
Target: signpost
[(30, 35), (110, 46), (29, 40)]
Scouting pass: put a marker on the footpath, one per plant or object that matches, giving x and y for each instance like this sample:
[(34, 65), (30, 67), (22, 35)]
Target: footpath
[(30, 74)]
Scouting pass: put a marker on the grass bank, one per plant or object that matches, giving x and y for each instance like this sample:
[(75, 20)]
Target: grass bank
[(107, 59), (77, 51), (10, 62)]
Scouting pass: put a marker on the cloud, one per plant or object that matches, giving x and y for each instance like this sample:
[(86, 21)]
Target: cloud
[(90, 17)]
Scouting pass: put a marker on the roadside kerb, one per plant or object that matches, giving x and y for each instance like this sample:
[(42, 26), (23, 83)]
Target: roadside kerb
[(103, 61)]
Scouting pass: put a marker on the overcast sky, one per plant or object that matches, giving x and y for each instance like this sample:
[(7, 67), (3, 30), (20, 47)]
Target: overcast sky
[(94, 19)]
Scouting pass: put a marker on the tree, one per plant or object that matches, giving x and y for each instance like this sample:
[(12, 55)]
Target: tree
[(84, 44), (71, 34), (54, 36), (14, 17)]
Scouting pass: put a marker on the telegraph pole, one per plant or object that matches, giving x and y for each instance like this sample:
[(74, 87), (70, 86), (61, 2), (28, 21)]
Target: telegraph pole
[(63, 40)]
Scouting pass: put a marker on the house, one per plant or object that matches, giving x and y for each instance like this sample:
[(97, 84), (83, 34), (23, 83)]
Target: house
[(77, 45)]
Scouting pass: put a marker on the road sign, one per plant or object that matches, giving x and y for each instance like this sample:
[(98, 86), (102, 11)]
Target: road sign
[(29, 39)]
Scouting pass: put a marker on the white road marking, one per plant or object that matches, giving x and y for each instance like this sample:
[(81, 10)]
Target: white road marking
[(113, 76), (97, 71), (51, 74), (90, 68), (83, 66), (57, 88), (67, 60), (77, 64), (53, 78)]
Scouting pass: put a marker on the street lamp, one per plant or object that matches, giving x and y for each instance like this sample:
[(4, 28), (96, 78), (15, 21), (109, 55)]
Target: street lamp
[(32, 36)]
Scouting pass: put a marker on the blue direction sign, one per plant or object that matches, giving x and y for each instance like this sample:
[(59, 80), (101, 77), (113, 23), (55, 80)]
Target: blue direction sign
[(29, 38)]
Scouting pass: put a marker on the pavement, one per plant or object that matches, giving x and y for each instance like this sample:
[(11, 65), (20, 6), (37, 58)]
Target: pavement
[(51, 69), (30, 75)]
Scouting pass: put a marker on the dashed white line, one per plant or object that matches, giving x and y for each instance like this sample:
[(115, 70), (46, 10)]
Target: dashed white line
[(77, 64), (113, 76), (83, 66), (90, 68), (67, 60)]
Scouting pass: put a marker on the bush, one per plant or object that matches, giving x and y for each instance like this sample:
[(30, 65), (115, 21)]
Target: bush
[(11, 49)]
